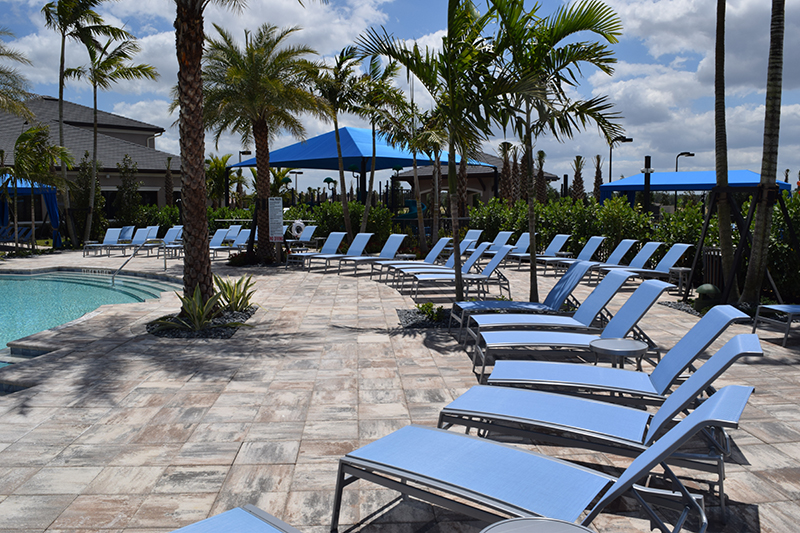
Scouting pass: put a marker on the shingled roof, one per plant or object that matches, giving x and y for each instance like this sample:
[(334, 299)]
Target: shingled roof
[(78, 135)]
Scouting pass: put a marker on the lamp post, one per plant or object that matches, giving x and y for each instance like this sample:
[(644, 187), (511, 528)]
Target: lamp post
[(330, 182), (620, 139), (647, 171), (294, 191), (687, 154)]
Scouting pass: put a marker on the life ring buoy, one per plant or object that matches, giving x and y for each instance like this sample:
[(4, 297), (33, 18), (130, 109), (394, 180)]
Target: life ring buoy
[(297, 228)]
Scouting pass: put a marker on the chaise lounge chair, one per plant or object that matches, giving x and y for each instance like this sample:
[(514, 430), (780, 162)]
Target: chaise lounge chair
[(489, 481), (111, 238), (216, 246), (388, 251), (356, 249), (520, 247), (330, 246), (472, 236), (618, 327), (552, 249), (448, 268), (638, 261), (304, 238), (500, 240), (614, 258), (481, 280), (430, 259), (585, 316), (606, 427), (586, 254), (786, 325), (597, 382), (661, 270), (556, 298), (247, 519)]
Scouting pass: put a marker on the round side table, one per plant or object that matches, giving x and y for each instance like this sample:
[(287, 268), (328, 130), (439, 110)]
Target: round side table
[(618, 350), (681, 276), (535, 525)]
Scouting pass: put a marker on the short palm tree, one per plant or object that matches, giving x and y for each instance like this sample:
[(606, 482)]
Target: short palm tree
[(107, 66), (216, 170), (259, 91), (578, 192), (13, 85)]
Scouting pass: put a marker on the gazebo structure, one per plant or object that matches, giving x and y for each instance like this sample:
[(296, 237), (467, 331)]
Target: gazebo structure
[(24, 188)]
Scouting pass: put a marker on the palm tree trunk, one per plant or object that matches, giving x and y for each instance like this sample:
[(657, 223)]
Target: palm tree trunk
[(88, 231), (345, 208), (423, 243), (534, 282), (33, 220), (452, 184), (721, 152), (368, 196), (67, 203), (261, 137), (769, 159), (16, 219), (436, 176), (189, 45), (462, 187)]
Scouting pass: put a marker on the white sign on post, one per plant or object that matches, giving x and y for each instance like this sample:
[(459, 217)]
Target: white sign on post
[(275, 219)]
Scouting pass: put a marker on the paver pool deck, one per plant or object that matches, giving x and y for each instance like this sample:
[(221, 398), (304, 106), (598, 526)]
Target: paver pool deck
[(121, 431)]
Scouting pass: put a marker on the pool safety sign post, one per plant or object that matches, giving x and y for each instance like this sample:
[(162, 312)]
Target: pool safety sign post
[(275, 219)]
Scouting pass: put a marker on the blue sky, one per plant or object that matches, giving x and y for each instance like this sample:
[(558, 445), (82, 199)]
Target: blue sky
[(663, 84)]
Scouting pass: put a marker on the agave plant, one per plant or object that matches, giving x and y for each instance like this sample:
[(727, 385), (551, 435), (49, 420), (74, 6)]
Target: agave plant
[(235, 295), (196, 314)]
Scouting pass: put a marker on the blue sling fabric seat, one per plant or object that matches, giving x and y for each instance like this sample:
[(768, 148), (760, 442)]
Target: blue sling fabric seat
[(388, 251), (661, 270), (595, 379), (614, 258), (583, 319), (586, 253), (638, 261), (481, 279), (489, 481), (356, 249), (552, 304), (586, 423), (552, 249), (247, 519), (430, 259), (618, 327), (330, 246)]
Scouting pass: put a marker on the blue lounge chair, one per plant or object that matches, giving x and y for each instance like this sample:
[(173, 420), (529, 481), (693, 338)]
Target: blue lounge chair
[(552, 249), (127, 233), (448, 268), (597, 381), (623, 323), (472, 235), (555, 300), (433, 255), (584, 423), (789, 310), (614, 258), (481, 280), (661, 270), (586, 254), (639, 260), (233, 232), (111, 238), (152, 232), (247, 519), (585, 316), (356, 249), (520, 247), (241, 239), (500, 240), (416, 267), (388, 251), (303, 239), (488, 481), (171, 243), (216, 246), (139, 239), (330, 246)]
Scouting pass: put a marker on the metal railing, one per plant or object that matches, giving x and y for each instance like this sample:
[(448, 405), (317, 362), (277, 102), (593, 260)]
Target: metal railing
[(162, 245)]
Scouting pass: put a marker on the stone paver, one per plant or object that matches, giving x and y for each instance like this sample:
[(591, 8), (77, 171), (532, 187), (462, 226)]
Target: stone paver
[(119, 431)]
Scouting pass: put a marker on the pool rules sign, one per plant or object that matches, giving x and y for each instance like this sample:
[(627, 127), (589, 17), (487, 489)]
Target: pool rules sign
[(275, 219)]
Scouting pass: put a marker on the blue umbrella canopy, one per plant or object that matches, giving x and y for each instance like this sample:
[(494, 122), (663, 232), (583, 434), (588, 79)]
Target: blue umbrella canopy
[(320, 153)]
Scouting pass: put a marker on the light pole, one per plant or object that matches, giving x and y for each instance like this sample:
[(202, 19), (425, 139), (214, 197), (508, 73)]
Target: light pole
[(687, 154), (620, 139), (330, 182), (294, 193)]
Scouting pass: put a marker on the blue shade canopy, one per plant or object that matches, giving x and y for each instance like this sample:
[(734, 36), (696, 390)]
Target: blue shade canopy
[(24, 189), (701, 180), (320, 153)]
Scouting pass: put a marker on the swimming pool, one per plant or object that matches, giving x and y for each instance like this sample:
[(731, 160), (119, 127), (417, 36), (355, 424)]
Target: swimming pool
[(33, 303)]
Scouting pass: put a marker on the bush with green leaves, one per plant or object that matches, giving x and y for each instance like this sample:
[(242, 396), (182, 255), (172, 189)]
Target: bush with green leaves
[(784, 263), (128, 201), (196, 314), (235, 295), (619, 221), (163, 217), (683, 226), (431, 312), (226, 213), (80, 200)]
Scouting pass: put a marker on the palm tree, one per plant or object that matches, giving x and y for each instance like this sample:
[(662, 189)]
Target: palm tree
[(258, 92), (461, 80), (216, 171), (504, 149), (73, 19), (541, 185), (769, 160), (598, 176), (106, 67), (13, 85), (340, 87), (34, 161), (378, 96), (168, 184), (578, 193), (544, 52)]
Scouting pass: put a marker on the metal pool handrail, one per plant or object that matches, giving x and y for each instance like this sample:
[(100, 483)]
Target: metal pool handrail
[(162, 245)]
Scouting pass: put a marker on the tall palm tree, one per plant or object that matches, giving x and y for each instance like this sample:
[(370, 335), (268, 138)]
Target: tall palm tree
[(504, 149), (107, 66), (578, 192), (769, 160), (216, 170), (73, 19), (461, 79), (545, 52), (259, 91), (340, 88), (34, 160), (598, 176), (13, 85), (378, 96)]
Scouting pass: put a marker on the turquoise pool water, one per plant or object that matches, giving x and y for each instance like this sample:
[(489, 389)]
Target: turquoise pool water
[(30, 304)]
